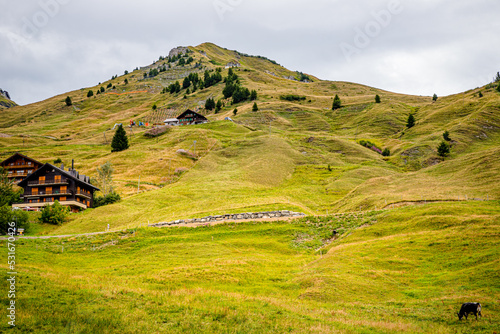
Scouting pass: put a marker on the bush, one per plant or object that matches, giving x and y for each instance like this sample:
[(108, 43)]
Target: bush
[(480, 94), (57, 161), (434, 97), (235, 111), (90, 93), (377, 98), (386, 152), (292, 97), (8, 215), (54, 214), (106, 200)]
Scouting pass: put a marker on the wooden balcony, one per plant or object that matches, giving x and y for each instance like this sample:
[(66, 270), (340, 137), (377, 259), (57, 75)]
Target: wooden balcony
[(48, 182), (46, 193)]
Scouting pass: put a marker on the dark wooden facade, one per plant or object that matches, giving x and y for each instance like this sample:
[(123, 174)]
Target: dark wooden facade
[(20, 166), (190, 117), (49, 183)]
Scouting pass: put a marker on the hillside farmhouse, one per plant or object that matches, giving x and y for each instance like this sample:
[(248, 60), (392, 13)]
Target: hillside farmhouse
[(49, 183), (188, 117), (19, 166)]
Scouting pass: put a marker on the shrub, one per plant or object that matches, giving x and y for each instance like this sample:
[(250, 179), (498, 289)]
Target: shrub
[(235, 111), (443, 149), (255, 107), (54, 214), (377, 98), (68, 101), (90, 93), (9, 215), (292, 97), (109, 85), (58, 161), (434, 97), (106, 200), (386, 152)]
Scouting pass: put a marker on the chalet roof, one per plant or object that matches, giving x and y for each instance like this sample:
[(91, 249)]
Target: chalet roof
[(17, 154), (71, 174), (192, 112), (170, 120)]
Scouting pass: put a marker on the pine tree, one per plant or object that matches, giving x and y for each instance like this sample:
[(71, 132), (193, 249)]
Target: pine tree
[(434, 97), (253, 95), (235, 111), (68, 101), (90, 93), (446, 136), (480, 94), (218, 106), (255, 107), (120, 140), (377, 99), (186, 83), (337, 103), (443, 149), (411, 121)]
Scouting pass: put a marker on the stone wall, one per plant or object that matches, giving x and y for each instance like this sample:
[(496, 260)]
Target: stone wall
[(236, 216)]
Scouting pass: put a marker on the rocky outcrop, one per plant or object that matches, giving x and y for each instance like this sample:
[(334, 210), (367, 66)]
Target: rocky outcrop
[(5, 101), (5, 93), (178, 50), (236, 216)]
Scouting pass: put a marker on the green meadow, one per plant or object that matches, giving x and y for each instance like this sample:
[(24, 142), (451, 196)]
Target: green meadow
[(401, 270)]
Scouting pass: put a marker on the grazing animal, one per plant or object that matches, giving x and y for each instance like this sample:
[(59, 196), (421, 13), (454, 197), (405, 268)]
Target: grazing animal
[(469, 308)]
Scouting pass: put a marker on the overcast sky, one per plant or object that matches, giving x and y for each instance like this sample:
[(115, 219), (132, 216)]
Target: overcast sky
[(49, 47)]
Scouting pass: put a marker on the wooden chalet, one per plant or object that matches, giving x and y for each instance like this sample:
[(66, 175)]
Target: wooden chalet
[(190, 117), (19, 167), (50, 183)]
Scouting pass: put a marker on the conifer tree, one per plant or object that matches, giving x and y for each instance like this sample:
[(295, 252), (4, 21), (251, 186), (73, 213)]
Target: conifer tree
[(434, 97), (377, 98), (337, 103), (90, 93), (411, 121), (443, 149), (120, 140), (68, 101), (255, 107)]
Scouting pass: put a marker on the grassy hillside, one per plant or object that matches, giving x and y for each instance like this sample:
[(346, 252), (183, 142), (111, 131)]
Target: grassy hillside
[(297, 155), (402, 270)]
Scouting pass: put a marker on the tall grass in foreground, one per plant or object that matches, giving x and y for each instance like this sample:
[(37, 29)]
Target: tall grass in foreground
[(404, 270)]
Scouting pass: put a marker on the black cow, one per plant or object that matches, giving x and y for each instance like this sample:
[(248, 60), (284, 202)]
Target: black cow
[(469, 308)]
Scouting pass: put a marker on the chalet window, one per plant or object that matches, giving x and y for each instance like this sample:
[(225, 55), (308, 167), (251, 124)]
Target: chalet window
[(57, 178), (20, 171), (64, 189), (41, 180), (48, 190), (62, 199), (34, 191), (29, 163)]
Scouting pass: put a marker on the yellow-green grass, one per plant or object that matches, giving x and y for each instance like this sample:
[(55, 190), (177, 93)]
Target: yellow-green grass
[(404, 270), (276, 158)]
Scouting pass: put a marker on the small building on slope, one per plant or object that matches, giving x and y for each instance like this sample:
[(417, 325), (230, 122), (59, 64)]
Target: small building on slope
[(19, 166), (50, 183), (190, 117)]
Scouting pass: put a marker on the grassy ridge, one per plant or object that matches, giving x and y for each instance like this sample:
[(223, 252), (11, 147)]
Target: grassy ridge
[(404, 270)]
